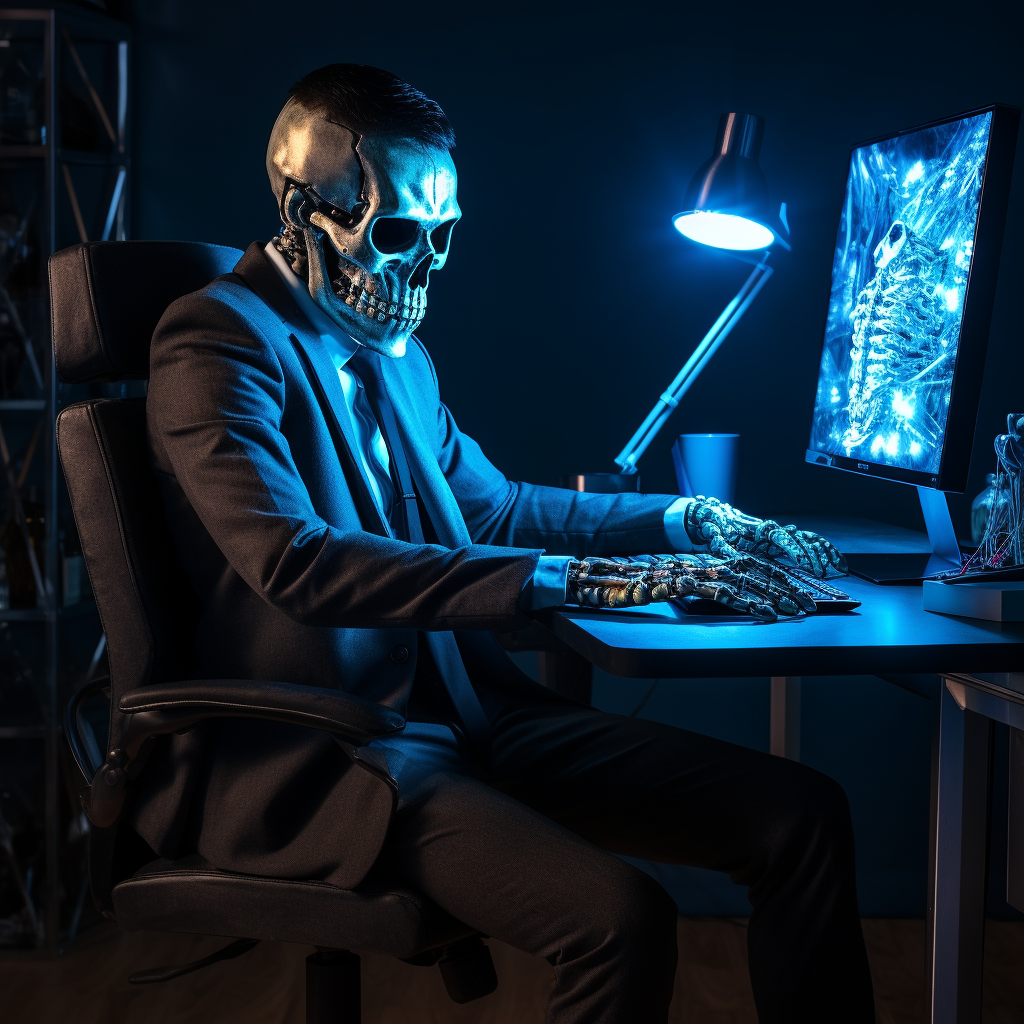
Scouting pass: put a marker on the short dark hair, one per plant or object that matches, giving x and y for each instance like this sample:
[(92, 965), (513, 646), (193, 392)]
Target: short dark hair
[(371, 101)]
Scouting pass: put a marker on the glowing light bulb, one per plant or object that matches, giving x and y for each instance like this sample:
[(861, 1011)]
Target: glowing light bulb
[(723, 230)]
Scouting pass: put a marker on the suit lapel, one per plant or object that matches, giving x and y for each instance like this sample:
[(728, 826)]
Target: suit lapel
[(434, 492), (261, 278), (437, 497)]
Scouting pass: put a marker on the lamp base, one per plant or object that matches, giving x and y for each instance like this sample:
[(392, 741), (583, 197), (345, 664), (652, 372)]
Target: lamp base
[(601, 483)]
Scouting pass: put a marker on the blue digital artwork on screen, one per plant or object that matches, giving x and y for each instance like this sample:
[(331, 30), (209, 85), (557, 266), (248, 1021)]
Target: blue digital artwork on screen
[(899, 277)]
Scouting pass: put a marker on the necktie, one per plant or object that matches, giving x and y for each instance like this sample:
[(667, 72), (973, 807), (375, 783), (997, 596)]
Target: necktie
[(367, 427), (445, 650)]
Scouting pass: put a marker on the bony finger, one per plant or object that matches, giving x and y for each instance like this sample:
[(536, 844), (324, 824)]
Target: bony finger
[(760, 610), (827, 553), (757, 607), (632, 594), (796, 603), (786, 598), (815, 560), (789, 544), (836, 559), (773, 574), (821, 551)]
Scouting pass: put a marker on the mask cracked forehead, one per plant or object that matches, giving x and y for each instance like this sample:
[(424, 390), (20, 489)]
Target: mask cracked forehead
[(310, 149), (410, 180), (396, 177)]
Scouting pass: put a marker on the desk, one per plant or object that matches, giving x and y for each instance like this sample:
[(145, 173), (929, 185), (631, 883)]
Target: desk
[(889, 635)]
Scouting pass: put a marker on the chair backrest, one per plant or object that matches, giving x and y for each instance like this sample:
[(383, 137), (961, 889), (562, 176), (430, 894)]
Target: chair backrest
[(106, 300)]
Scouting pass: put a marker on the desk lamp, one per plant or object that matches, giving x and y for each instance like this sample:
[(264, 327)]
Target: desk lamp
[(726, 207)]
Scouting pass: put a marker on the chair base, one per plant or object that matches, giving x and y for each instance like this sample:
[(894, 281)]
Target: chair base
[(190, 895), (468, 971), (333, 988)]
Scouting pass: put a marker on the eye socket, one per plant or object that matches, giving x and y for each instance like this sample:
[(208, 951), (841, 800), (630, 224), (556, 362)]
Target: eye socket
[(394, 234), (441, 236)]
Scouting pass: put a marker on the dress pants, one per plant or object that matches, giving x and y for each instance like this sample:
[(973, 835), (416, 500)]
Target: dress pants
[(523, 850)]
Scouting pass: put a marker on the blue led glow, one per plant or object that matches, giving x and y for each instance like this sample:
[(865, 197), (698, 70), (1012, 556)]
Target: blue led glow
[(723, 230), (902, 259)]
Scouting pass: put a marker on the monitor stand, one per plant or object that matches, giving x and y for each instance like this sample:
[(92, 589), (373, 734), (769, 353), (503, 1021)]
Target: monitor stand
[(913, 567)]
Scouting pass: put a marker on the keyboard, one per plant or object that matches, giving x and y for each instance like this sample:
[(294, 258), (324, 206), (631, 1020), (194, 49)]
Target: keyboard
[(827, 599)]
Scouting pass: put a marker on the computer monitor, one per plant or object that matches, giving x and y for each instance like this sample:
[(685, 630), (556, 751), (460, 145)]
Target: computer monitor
[(913, 279)]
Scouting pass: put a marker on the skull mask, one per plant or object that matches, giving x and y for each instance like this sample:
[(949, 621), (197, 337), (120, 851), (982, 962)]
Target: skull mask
[(375, 214)]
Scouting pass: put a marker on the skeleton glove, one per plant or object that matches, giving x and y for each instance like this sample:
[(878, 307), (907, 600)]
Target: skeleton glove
[(744, 584), (729, 533)]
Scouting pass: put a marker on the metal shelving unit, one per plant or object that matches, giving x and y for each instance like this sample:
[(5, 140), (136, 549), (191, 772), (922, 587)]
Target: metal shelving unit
[(64, 178)]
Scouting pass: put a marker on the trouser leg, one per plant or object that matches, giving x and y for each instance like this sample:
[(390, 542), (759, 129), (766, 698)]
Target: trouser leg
[(509, 871), (648, 790)]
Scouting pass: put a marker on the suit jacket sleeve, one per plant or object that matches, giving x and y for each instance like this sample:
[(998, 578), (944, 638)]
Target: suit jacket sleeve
[(564, 522), (215, 408)]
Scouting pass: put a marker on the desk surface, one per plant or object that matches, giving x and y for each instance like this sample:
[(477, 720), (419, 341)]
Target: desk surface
[(858, 536), (890, 633)]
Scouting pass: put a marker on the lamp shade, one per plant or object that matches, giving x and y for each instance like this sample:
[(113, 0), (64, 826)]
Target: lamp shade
[(726, 205)]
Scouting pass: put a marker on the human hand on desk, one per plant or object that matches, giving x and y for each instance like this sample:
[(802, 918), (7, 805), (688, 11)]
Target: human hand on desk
[(745, 584), (729, 533)]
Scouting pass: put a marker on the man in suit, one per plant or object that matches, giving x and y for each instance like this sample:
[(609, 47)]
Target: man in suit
[(339, 530)]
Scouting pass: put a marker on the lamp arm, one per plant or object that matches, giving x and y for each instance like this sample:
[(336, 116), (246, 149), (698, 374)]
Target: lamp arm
[(627, 459)]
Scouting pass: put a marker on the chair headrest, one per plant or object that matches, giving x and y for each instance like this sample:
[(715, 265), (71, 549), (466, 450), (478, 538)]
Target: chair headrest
[(106, 299)]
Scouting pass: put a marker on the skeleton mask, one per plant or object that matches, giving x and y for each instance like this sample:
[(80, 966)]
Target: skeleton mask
[(374, 216)]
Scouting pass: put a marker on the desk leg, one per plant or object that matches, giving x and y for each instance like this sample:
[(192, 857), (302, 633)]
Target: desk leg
[(960, 860), (1015, 823), (784, 717)]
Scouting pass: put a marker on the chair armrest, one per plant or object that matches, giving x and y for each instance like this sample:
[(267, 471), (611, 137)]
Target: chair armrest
[(168, 707), (152, 711)]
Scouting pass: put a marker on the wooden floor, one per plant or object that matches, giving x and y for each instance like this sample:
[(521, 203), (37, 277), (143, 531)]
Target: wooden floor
[(88, 986)]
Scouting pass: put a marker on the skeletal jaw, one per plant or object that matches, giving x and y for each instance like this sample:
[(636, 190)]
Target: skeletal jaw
[(361, 293)]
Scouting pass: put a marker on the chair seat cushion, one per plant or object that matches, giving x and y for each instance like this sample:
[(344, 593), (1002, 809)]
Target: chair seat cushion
[(190, 895)]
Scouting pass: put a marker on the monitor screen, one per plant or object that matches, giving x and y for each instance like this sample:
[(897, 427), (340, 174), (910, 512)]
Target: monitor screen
[(900, 273)]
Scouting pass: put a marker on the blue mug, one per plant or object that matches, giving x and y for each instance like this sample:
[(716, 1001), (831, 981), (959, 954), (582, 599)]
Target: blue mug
[(706, 464)]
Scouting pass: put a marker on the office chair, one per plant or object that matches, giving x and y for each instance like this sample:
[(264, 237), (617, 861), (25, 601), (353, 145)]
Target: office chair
[(107, 298)]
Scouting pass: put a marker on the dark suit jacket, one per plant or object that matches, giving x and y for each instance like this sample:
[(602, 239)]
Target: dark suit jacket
[(301, 580)]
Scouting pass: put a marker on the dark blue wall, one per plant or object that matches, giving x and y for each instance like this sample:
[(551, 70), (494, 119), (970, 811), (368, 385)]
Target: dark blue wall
[(579, 126), (569, 301)]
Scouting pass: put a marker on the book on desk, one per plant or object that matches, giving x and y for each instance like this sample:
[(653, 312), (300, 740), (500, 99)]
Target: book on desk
[(995, 600)]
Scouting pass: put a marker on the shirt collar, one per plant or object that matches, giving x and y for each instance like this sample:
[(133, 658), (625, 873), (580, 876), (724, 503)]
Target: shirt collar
[(342, 347)]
